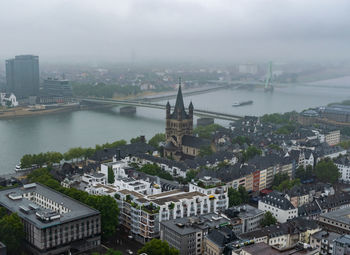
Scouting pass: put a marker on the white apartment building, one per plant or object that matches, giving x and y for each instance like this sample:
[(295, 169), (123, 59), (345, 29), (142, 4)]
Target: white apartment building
[(217, 193), (343, 165), (142, 214), (332, 137), (279, 206)]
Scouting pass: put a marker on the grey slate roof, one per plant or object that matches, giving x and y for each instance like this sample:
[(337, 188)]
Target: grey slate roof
[(222, 236), (179, 107), (193, 141), (277, 199)]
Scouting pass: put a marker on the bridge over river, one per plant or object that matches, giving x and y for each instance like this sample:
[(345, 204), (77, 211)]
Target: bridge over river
[(197, 112)]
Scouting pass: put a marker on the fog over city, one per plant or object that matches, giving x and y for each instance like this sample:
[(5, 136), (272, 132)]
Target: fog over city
[(176, 30)]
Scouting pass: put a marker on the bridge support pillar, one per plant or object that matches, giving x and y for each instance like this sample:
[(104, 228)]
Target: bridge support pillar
[(128, 110)]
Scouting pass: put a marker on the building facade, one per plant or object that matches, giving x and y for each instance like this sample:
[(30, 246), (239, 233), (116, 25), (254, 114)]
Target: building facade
[(22, 76), (142, 214), (187, 234)]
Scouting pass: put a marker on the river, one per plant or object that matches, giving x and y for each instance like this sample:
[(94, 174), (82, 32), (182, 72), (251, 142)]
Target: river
[(61, 131)]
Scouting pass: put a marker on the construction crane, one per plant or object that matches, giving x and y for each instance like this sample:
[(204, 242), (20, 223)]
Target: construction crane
[(268, 82)]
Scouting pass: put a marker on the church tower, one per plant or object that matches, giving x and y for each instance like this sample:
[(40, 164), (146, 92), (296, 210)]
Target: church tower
[(178, 124)]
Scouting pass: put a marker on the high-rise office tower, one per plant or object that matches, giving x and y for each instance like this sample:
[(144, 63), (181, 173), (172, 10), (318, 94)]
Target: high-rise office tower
[(22, 76)]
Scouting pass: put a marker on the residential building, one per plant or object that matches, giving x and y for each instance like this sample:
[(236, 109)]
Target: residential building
[(53, 222), (343, 165), (22, 76), (332, 137), (284, 235), (216, 192), (244, 218), (94, 178), (187, 234), (336, 221), (217, 240), (323, 241), (342, 245), (142, 214), (264, 249), (279, 206)]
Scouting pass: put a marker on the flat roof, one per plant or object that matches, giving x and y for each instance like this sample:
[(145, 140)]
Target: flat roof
[(177, 197), (188, 225), (77, 210)]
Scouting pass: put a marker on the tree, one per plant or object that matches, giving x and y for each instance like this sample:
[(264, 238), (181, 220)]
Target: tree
[(205, 151), (241, 140), (158, 247), (327, 171), (234, 197), (191, 174), (268, 220), (287, 184), (206, 131), (3, 212), (138, 139), (156, 139), (244, 194), (12, 232), (300, 172), (279, 178), (111, 176), (303, 173), (113, 252), (250, 152), (155, 170)]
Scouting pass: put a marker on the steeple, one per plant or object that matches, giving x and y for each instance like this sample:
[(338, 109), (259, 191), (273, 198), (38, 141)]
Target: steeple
[(179, 109), (179, 99)]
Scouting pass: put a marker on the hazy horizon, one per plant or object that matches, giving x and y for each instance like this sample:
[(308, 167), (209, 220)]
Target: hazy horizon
[(177, 30)]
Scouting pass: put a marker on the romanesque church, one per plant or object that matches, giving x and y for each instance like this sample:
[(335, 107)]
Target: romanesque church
[(180, 142)]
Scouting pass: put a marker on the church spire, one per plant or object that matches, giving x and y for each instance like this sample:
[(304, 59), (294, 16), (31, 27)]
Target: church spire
[(179, 105)]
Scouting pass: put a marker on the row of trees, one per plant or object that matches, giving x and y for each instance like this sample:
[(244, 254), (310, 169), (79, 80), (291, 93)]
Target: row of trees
[(11, 231), (158, 247), (105, 204), (278, 118), (76, 153), (104, 90)]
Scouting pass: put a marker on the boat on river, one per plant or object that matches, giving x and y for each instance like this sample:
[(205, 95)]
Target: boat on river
[(236, 104)]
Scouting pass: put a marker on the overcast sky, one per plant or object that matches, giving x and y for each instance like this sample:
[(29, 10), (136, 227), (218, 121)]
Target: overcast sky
[(173, 30)]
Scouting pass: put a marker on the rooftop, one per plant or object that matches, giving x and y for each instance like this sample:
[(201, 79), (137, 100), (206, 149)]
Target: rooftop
[(189, 225), (27, 209), (341, 215), (265, 249)]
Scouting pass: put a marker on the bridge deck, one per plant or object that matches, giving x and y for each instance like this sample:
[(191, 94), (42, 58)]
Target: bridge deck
[(199, 112)]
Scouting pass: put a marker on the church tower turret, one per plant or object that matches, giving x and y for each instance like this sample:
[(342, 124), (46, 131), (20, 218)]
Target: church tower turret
[(190, 110)]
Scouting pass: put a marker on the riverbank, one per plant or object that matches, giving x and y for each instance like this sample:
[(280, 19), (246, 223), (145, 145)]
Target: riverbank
[(29, 111)]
